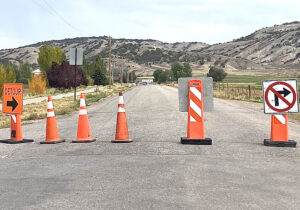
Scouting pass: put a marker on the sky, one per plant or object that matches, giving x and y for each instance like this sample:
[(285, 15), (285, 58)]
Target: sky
[(26, 22)]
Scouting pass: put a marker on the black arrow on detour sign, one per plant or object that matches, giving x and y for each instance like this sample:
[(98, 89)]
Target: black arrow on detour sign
[(283, 92), (13, 104)]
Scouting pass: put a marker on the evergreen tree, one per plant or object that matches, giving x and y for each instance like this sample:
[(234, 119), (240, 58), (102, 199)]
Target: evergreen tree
[(23, 72), (99, 75)]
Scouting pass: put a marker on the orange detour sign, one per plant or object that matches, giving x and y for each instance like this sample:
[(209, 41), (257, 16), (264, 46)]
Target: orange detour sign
[(195, 128), (13, 104), (12, 98), (83, 130), (52, 136), (122, 135)]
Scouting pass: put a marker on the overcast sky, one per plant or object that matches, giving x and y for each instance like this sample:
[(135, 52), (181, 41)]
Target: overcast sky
[(26, 22)]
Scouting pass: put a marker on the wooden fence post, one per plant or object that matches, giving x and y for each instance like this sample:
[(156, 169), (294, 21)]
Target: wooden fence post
[(249, 88)]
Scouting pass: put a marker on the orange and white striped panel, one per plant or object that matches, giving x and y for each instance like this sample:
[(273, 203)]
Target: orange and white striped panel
[(280, 118), (50, 110), (195, 103), (82, 110), (121, 106)]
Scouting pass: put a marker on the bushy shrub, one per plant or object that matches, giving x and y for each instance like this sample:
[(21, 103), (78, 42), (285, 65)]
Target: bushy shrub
[(63, 76), (218, 74), (37, 84)]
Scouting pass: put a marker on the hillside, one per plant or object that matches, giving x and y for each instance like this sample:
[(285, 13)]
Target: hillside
[(271, 49), (276, 47)]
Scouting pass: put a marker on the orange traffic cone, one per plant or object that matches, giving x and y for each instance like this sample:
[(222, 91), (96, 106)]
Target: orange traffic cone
[(122, 135), (16, 135), (83, 130), (52, 136), (195, 128), (279, 132)]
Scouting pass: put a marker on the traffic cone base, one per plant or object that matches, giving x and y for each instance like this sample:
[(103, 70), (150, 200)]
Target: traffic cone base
[(16, 135), (122, 141), (206, 141), (279, 132), (52, 142), (10, 141), (84, 141), (289, 143)]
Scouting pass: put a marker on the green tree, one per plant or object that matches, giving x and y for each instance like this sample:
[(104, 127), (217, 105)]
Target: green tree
[(187, 71), (2, 78), (162, 77), (181, 70), (99, 69), (176, 68), (170, 76), (10, 75), (7, 75), (218, 74), (156, 74), (23, 73), (48, 55)]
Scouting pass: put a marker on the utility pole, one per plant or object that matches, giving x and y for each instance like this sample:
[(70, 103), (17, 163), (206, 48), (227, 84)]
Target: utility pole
[(127, 74), (109, 62), (121, 76)]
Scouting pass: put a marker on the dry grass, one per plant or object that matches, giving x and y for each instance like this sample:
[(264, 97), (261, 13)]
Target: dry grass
[(62, 106)]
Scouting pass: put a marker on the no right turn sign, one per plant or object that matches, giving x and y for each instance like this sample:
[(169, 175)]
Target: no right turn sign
[(280, 96)]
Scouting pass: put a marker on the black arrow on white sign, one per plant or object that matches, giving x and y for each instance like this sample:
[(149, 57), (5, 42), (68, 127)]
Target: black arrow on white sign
[(283, 92)]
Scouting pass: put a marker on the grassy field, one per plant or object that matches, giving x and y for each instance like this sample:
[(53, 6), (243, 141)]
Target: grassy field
[(62, 106), (50, 91)]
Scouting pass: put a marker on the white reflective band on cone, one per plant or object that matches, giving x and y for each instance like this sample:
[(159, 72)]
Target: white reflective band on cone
[(192, 119), (195, 108), (82, 102), (196, 92), (50, 114), (121, 109), (14, 118), (280, 118), (82, 112), (121, 100), (50, 105)]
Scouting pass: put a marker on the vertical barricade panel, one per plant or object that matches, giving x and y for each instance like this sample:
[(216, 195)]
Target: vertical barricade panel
[(195, 128)]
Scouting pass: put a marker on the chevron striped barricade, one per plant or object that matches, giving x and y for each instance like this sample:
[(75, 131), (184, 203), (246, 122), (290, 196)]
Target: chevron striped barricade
[(195, 126), (280, 99)]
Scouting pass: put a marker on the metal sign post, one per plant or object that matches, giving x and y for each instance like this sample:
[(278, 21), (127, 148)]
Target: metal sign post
[(76, 58)]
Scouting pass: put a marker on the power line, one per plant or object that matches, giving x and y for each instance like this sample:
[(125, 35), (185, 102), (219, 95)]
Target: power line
[(56, 14)]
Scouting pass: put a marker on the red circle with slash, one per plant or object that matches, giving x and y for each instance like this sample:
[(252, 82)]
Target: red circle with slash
[(289, 104)]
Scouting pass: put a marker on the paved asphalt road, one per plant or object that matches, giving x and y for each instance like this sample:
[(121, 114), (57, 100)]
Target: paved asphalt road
[(155, 171)]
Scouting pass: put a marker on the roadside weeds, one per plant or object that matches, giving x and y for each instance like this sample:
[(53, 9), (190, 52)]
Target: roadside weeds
[(62, 106)]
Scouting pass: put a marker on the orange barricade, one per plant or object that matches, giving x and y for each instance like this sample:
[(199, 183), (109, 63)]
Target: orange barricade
[(195, 128), (279, 132)]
